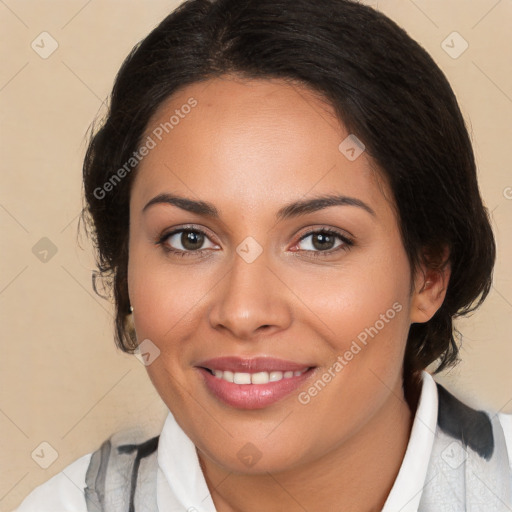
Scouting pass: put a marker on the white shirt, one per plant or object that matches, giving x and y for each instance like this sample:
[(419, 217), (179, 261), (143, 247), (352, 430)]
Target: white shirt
[(181, 485)]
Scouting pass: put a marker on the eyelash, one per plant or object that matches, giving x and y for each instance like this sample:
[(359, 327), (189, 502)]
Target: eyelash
[(346, 245)]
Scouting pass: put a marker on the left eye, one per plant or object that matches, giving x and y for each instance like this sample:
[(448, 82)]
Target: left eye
[(323, 240)]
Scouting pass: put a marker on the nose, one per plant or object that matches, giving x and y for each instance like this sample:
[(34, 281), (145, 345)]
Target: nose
[(250, 299)]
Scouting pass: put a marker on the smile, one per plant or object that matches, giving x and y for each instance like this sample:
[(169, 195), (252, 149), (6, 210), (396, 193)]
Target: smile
[(252, 383)]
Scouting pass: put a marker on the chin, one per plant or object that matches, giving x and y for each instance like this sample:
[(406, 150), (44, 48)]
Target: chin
[(251, 460)]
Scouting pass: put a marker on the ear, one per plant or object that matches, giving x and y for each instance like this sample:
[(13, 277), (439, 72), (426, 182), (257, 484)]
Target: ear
[(430, 285)]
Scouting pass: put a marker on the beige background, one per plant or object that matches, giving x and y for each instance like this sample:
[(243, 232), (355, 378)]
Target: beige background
[(62, 380)]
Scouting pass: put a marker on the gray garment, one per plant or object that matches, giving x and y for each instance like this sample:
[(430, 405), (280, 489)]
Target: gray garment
[(468, 469), (121, 476)]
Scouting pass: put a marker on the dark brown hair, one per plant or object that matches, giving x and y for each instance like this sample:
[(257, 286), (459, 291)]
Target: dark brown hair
[(384, 87)]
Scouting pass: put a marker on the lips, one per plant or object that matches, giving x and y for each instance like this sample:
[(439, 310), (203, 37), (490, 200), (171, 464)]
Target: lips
[(252, 383)]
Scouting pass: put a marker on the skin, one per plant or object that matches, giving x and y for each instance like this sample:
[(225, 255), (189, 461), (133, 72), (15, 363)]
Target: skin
[(250, 147)]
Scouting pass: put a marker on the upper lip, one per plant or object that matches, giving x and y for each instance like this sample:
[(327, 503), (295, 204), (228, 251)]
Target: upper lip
[(251, 365)]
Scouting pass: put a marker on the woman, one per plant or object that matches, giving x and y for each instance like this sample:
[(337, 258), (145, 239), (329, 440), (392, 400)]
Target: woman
[(284, 196)]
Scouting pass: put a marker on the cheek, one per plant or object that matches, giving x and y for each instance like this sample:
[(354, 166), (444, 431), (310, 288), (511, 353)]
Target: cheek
[(364, 318), (368, 293), (166, 298)]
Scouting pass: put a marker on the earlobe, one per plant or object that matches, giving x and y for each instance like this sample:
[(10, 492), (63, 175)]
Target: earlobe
[(129, 325), (430, 288)]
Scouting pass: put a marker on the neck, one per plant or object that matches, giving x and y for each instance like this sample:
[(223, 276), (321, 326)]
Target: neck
[(358, 475)]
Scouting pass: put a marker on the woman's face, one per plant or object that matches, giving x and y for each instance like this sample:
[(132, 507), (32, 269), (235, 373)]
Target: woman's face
[(255, 289)]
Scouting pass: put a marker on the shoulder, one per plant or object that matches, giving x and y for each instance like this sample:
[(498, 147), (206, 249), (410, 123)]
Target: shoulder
[(66, 491), (475, 428), (63, 492), (488, 433)]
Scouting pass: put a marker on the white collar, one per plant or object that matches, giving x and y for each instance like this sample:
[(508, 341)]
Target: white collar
[(406, 492), (180, 481), (181, 484)]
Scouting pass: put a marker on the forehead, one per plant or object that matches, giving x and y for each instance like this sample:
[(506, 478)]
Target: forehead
[(257, 141)]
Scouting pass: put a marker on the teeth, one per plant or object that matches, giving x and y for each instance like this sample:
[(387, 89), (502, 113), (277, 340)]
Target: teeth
[(275, 376), (241, 378), (256, 378), (259, 378)]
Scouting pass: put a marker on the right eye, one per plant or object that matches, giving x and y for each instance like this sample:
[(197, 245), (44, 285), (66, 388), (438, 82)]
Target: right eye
[(185, 241)]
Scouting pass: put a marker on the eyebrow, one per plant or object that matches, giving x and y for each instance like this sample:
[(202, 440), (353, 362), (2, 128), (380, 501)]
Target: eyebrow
[(294, 209)]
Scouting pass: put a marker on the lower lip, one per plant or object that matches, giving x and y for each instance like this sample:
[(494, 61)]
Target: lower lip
[(252, 396)]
